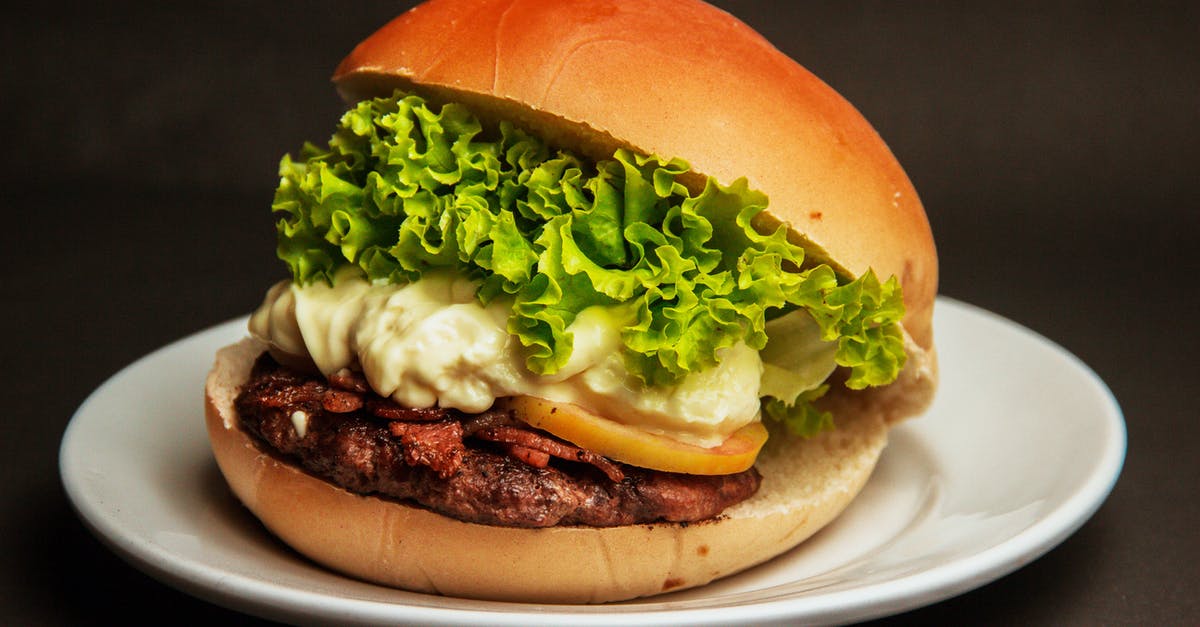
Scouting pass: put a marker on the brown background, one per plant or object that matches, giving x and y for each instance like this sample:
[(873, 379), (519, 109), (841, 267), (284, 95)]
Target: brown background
[(1055, 146)]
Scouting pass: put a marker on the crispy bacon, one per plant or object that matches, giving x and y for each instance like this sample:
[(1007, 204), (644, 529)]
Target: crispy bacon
[(386, 409), (535, 458), (525, 438), (341, 401), (489, 418), (438, 445), (288, 392)]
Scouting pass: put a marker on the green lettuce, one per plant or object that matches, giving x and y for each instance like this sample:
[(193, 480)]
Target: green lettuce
[(403, 188)]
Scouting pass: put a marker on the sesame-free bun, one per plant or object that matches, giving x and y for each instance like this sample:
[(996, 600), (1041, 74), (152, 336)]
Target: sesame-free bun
[(404, 546)]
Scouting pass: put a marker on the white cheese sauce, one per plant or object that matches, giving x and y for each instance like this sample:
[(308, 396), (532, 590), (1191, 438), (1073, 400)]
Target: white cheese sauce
[(431, 343)]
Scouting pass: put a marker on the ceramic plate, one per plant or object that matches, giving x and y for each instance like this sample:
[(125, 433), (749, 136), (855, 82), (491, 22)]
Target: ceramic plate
[(1022, 445)]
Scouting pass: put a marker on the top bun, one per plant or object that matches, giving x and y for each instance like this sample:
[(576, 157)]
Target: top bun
[(679, 78)]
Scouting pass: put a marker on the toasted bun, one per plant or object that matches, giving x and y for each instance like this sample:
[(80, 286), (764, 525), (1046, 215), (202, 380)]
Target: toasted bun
[(680, 78), (806, 483)]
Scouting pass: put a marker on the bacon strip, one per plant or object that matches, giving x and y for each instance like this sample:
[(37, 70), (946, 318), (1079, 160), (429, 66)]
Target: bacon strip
[(341, 401), (438, 445), (535, 458), (538, 442), (285, 392), (386, 409), (490, 418)]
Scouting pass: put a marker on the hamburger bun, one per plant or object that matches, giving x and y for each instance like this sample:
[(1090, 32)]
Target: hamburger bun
[(675, 78)]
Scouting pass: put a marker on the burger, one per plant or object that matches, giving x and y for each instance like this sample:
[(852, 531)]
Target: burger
[(589, 300)]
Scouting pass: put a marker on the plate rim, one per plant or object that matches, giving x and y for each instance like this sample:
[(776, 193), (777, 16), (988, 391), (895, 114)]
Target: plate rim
[(940, 582)]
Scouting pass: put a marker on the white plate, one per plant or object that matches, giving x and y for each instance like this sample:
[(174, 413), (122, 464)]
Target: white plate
[(1021, 446)]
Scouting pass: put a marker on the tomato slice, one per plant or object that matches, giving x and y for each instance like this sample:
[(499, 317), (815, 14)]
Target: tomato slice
[(636, 447)]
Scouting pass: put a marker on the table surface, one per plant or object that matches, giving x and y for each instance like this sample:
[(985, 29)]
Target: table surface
[(1054, 147)]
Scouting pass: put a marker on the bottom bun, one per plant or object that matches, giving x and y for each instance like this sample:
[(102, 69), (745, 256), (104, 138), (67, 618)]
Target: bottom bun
[(806, 483)]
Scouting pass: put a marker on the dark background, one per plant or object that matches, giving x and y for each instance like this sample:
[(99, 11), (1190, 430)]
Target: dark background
[(1055, 147)]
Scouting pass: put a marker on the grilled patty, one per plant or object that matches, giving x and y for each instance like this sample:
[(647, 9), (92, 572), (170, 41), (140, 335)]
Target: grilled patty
[(487, 468)]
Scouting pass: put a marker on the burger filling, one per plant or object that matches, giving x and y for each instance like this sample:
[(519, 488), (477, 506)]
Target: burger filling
[(450, 268), (488, 467)]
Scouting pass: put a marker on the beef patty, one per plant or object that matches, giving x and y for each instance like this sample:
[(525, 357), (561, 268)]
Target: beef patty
[(488, 468)]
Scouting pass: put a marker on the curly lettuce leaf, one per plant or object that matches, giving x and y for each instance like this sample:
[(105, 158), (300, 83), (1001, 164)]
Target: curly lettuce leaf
[(404, 188)]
